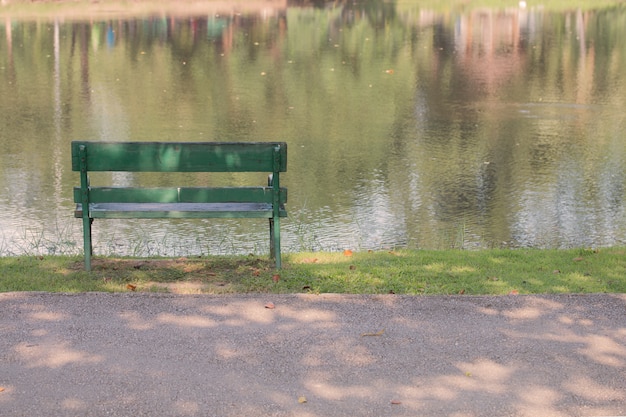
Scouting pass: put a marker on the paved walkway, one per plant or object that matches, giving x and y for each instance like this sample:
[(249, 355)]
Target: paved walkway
[(327, 355)]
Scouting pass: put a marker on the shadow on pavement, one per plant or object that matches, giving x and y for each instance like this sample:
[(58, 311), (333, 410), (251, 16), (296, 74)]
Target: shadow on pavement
[(136, 354)]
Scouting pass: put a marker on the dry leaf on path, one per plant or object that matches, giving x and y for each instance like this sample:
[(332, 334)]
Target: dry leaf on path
[(131, 287), (270, 306), (378, 333), (302, 399)]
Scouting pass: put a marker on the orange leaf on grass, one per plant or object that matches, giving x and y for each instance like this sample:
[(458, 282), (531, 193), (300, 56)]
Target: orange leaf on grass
[(347, 252)]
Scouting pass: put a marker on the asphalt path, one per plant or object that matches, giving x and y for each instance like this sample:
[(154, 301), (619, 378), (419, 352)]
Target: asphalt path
[(139, 354)]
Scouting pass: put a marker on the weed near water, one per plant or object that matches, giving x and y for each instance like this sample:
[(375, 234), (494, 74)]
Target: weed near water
[(418, 272)]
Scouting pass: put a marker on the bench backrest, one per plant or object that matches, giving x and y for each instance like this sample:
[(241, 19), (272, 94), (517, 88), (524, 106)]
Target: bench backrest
[(181, 156)]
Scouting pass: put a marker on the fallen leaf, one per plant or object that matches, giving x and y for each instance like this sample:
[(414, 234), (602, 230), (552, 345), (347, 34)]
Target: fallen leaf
[(378, 333), (256, 272), (270, 306), (1, 389), (578, 259), (493, 278), (462, 292), (556, 271), (301, 399), (276, 277), (352, 267), (306, 287), (131, 287), (347, 252), (310, 260), (396, 402), (468, 374), (514, 292), (389, 71)]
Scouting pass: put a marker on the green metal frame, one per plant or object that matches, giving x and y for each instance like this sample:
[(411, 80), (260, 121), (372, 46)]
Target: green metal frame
[(180, 202)]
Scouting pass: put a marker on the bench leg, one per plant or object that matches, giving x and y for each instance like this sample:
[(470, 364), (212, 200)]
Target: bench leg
[(87, 245), (275, 241)]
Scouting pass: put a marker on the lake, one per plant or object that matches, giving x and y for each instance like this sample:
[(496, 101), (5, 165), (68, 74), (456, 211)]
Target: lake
[(407, 126)]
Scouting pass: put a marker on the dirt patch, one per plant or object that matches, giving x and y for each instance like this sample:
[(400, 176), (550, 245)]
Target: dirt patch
[(187, 287), (180, 275)]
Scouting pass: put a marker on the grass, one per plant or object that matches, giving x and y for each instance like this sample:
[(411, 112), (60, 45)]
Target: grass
[(418, 272)]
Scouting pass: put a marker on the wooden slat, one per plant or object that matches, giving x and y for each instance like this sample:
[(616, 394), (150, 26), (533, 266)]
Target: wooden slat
[(230, 194), (181, 156), (128, 195), (180, 195)]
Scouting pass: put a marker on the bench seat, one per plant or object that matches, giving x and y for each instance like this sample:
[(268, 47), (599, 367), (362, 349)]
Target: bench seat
[(178, 210)]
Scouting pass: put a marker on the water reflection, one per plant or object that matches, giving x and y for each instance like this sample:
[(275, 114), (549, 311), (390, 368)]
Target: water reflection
[(407, 127)]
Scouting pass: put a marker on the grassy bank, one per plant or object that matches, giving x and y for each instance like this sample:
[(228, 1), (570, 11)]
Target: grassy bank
[(495, 271), (87, 9)]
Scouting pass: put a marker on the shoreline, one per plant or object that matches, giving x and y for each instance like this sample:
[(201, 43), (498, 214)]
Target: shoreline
[(85, 10)]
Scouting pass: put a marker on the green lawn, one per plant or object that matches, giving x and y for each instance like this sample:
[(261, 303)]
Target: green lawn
[(493, 271)]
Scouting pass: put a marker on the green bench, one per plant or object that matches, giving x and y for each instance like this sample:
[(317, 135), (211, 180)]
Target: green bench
[(111, 202)]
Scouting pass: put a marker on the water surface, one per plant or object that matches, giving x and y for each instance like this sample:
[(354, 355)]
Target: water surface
[(407, 127)]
